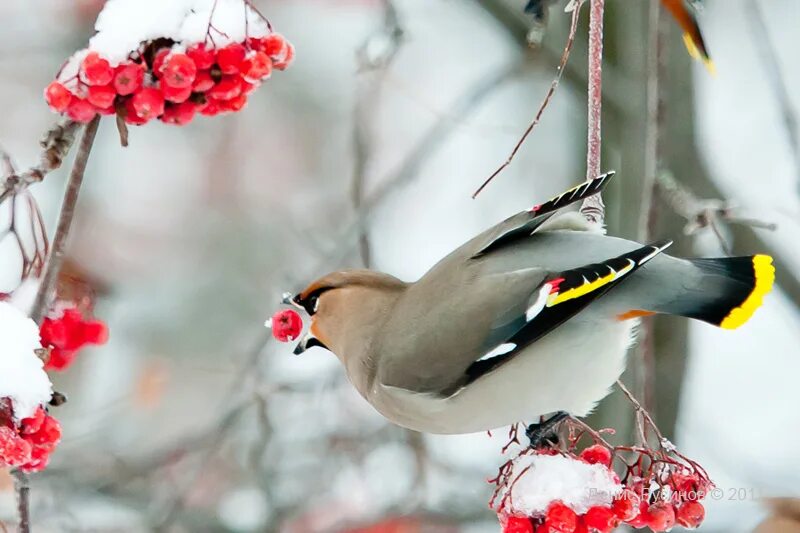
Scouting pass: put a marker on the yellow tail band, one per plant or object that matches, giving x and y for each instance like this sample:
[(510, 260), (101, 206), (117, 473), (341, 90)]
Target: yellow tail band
[(695, 53), (765, 277)]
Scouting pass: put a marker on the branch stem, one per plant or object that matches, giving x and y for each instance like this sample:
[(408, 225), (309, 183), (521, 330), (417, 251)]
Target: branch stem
[(593, 208), (56, 257)]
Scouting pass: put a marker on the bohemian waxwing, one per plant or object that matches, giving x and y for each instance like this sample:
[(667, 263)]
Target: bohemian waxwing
[(530, 317)]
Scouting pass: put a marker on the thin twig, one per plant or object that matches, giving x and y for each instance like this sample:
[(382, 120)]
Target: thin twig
[(22, 488), (56, 143), (56, 257), (592, 207), (769, 56), (573, 27)]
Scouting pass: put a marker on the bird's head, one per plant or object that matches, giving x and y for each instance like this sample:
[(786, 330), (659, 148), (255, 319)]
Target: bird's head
[(346, 308)]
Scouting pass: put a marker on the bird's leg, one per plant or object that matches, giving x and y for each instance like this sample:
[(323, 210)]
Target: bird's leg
[(543, 431)]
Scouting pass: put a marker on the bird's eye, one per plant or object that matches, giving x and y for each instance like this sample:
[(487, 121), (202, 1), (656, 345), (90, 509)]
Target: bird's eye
[(313, 304)]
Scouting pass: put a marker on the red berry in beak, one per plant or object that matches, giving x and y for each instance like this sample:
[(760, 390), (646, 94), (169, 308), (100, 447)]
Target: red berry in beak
[(286, 325)]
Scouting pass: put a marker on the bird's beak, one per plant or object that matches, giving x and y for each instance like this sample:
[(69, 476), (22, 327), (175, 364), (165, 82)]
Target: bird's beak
[(308, 341), (287, 298)]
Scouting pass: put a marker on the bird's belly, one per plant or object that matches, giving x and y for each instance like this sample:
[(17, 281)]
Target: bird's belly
[(571, 369)]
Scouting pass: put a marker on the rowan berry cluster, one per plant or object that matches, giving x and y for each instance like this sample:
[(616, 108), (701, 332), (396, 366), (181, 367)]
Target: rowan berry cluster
[(27, 445), (169, 81), (652, 495)]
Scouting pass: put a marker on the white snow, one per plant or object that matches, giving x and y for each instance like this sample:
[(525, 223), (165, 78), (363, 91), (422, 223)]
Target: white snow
[(550, 478), (22, 376), (124, 24)]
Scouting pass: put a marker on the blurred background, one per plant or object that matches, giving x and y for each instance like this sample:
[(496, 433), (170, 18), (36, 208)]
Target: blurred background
[(366, 152)]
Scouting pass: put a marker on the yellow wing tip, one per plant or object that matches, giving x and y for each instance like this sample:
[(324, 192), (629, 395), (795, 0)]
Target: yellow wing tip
[(765, 277), (695, 53)]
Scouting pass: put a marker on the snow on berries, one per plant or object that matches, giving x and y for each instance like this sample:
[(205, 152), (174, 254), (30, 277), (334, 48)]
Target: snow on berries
[(558, 488), (28, 445), (286, 325), (170, 61), (68, 332)]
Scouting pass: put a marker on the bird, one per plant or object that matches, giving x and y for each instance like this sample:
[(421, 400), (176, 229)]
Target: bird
[(533, 316)]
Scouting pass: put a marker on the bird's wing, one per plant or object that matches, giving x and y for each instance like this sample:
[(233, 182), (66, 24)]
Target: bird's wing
[(556, 299), (525, 223)]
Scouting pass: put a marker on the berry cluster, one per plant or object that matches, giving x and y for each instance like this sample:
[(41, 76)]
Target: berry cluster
[(68, 333), (168, 81), (28, 446), (657, 498), (286, 325)]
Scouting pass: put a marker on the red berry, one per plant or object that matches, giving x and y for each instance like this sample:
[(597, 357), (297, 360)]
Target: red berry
[(601, 519), (626, 505), (690, 514), (40, 456), (229, 87), (640, 520), (128, 77), (14, 450), (48, 435), (247, 87), (148, 103), (158, 61), (179, 71), (275, 46), (101, 96), (203, 58), (176, 95), (130, 115), (256, 67), (515, 524), (94, 332), (230, 58), (80, 110), (281, 65), (660, 516), (33, 423), (597, 454), (60, 359), (210, 108), (57, 96), (202, 82), (179, 114), (95, 70), (560, 518), (233, 105), (286, 325)]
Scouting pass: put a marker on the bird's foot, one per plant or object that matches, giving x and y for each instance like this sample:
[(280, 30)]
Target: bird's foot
[(543, 432)]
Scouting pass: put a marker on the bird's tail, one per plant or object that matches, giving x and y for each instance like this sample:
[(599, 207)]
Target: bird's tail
[(727, 291)]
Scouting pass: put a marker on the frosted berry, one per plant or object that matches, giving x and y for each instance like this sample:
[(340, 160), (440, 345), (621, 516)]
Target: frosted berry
[(690, 514), (660, 516), (49, 433), (626, 505), (179, 71), (515, 524), (601, 519), (282, 65), (275, 46), (286, 325), (40, 457), (560, 518), (14, 450), (80, 110), (234, 104), (159, 59), (33, 423), (257, 66), (95, 70), (202, 82), (209, 108), (176, 95), (230, 58), (596, 454), (179, 114), (57, 96), (148, 103), (202, 57), (128, 77), (101, 96), (228, 88), (130, 115)]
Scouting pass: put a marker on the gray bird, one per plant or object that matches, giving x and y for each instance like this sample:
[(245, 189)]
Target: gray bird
[(532, 316)]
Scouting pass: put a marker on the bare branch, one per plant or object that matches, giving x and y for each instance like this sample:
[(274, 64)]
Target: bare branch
[(56, 143), (592, 208), (550, 92), (54, 260)]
